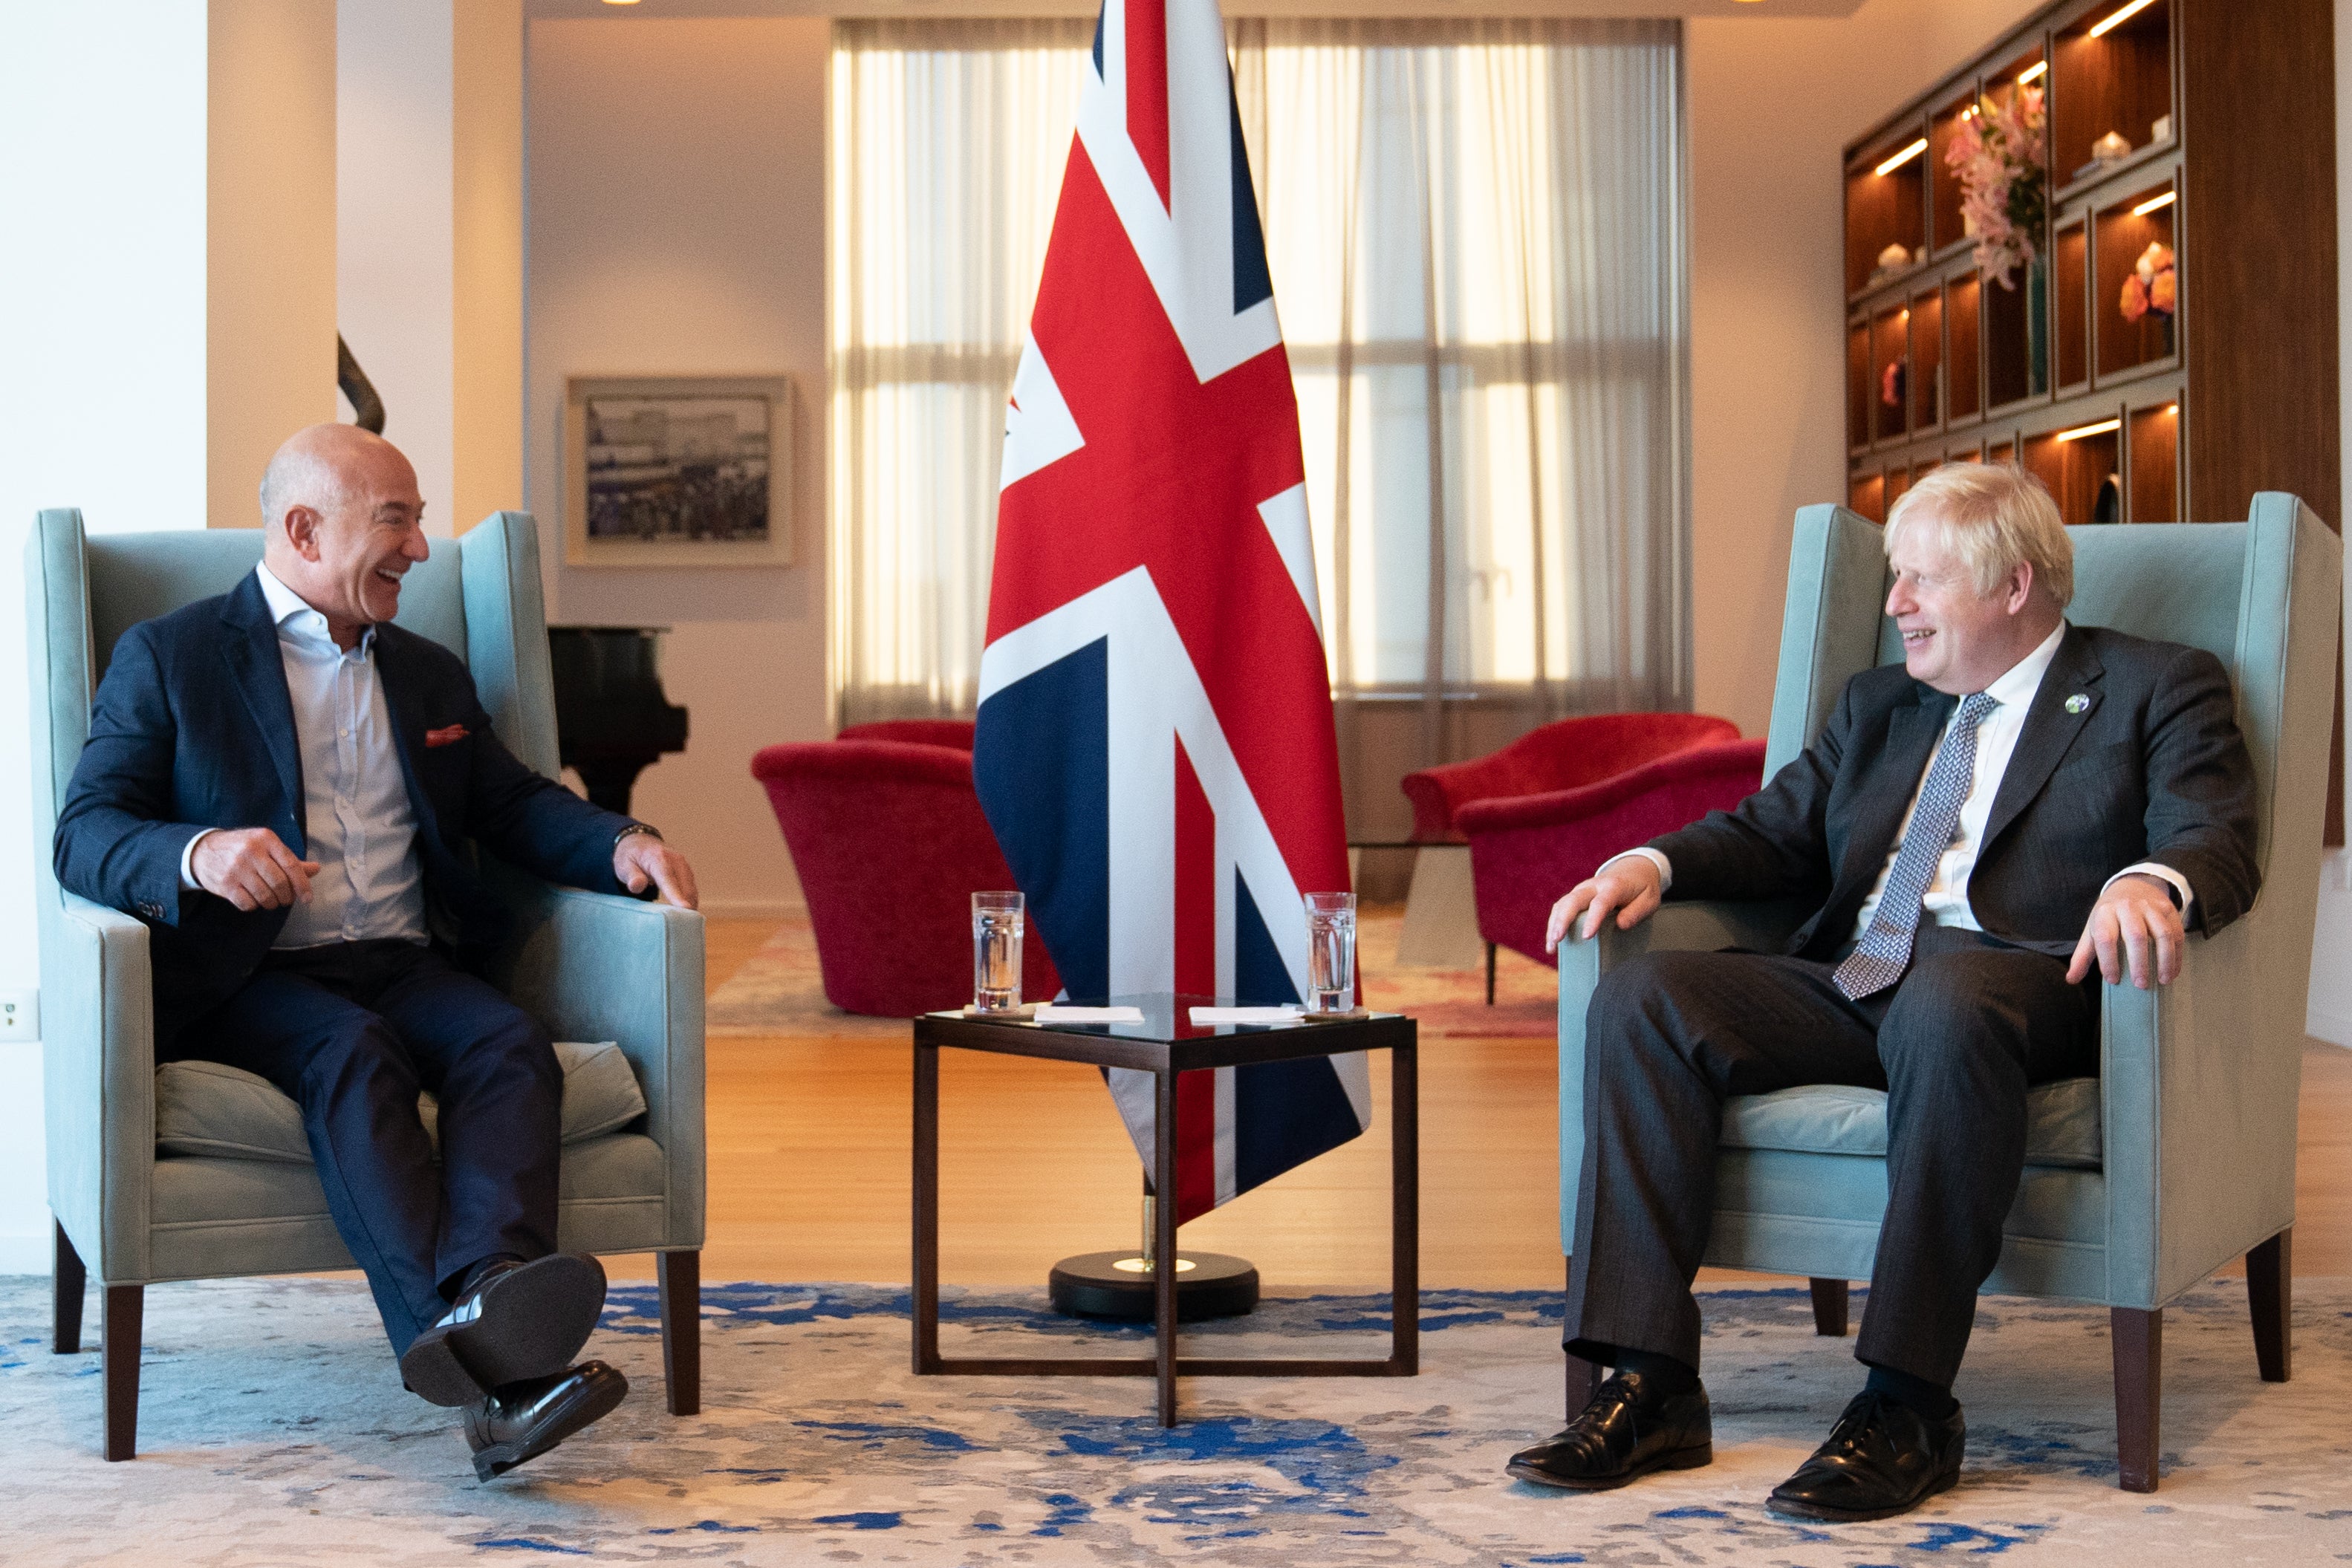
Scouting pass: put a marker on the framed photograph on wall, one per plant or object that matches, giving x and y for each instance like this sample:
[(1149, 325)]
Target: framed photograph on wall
[(677, 471)]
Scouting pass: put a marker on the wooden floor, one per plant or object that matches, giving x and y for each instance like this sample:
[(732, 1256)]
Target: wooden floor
[(810, 1155)]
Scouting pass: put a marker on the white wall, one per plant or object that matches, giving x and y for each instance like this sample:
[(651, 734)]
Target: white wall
[(677, 227), (394, 252), (168, 199), (2330, 1014)]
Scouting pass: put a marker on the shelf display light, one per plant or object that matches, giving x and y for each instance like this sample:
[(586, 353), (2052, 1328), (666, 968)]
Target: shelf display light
[(2153, 202), (2099, 427), (1899, 159), (2117, 18)]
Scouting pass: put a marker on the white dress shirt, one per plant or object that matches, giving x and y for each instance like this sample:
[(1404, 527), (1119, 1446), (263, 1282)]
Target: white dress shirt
[(1946, 898), (357, 820)]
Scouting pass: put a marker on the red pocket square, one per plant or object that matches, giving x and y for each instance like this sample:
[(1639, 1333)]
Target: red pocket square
[(449, 735)]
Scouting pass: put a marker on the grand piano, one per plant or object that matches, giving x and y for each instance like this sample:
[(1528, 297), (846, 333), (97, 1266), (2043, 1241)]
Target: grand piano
[(612, 720)]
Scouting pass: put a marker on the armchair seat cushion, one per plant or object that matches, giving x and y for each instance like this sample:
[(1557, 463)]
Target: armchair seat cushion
[(210, 1109), (2061, 1121)]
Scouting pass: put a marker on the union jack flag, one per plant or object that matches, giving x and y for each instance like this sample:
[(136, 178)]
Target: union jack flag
[(1155, 749)]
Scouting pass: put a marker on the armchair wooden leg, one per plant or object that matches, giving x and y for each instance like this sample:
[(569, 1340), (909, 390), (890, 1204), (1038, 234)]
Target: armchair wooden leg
[(679, 1275), (1828, 1307), (2139, 1341), (1490, 974), (68, 1279), (2270, 1291), (121, 1309)]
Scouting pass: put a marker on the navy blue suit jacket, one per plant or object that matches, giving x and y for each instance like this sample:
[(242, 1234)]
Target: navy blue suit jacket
[(194, 728), (2130, 752)]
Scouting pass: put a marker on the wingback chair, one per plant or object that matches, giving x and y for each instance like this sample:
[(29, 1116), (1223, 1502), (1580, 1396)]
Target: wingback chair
[(2180, 1157), (229, 1190)]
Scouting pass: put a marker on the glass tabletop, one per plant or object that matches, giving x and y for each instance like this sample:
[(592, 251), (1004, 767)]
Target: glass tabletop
[(1167, 1015)]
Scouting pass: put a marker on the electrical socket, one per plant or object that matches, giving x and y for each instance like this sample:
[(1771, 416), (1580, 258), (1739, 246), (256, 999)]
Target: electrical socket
[(20, 1016)]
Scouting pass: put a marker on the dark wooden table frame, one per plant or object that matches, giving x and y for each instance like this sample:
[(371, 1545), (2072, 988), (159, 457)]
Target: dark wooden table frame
[(1164, 1060)]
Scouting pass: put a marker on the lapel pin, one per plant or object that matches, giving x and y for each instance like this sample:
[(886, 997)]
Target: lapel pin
[(2077, 703)]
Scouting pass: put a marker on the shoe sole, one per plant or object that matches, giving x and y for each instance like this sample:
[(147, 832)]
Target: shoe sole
[(533, 1321), (594, 1405), (1814, 1513), (1678, 1459)]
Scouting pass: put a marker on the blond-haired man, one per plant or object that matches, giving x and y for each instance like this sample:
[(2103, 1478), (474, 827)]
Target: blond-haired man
[(2021, 809)]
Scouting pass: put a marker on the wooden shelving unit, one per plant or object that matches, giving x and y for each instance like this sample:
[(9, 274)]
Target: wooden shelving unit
[(2227, 111)]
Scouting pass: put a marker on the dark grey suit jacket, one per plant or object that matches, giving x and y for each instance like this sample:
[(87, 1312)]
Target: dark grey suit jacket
[(2152, 767)]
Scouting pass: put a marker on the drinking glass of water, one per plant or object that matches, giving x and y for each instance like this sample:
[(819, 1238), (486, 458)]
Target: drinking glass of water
[(1331, 952), (996, 921)]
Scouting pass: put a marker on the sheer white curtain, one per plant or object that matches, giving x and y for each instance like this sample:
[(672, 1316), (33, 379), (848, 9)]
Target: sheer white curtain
[(1476, 233), (948, 142)]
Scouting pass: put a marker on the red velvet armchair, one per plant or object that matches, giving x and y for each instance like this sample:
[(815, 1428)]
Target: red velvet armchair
[(1563, 754), (952, 732), (1525, 850), (890, 844)]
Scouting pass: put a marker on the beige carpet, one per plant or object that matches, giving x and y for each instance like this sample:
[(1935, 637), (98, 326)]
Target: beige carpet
[(778, 990), (274, 1431)]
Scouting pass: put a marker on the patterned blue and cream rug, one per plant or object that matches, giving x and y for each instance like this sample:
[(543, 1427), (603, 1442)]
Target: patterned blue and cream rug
[(273, 1430)]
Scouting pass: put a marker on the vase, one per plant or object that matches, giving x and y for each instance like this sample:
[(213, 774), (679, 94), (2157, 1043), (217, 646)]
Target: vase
[(2037, 325)]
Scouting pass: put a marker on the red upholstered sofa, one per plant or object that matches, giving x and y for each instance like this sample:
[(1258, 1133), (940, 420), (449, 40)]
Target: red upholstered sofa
[(1525, 850), (1563, 755), (887, 836)]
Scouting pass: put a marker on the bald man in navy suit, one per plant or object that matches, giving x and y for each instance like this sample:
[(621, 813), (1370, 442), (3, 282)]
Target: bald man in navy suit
[(288, 789)]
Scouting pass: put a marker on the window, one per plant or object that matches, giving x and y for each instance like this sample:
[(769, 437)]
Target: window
[(1476, 234)]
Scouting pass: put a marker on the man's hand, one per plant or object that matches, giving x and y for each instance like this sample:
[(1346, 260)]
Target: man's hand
[(2134, 926), (1629, 885), (641, 859), (252, 868)]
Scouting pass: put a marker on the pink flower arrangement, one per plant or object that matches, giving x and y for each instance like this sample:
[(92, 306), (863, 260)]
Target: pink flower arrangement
[(1997, 153), (2153, 283)]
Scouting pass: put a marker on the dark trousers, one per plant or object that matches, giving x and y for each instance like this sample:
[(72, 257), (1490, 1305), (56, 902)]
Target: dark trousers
[(351, 1032), (1956, 1043)]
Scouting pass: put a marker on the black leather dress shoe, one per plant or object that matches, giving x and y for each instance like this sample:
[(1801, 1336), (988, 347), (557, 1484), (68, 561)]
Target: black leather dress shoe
[(1630, 1429), (523, 1420), (516, 1321), (1883, 1457)]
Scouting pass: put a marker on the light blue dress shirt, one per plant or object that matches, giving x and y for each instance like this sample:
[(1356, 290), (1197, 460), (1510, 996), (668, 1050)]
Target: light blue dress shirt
[(359, 824)]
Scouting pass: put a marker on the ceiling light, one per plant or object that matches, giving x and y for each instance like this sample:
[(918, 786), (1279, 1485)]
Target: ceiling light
[(2153, 202), (2102, 29), (2031, 71), (1904, 157), (2080, 431)]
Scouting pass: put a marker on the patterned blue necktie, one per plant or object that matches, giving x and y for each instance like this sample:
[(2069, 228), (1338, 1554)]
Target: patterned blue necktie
[(1879, 959)]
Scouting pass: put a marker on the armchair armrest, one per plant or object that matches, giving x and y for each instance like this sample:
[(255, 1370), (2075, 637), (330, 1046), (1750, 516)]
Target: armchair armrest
[(2198, 1103), (1699, 925), (596, 966), (98, 1081)]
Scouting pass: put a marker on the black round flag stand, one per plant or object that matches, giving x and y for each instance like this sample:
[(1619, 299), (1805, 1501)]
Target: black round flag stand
[(1118, 1285)]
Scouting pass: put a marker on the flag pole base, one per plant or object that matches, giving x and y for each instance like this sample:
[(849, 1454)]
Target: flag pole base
[(1119, 1286)]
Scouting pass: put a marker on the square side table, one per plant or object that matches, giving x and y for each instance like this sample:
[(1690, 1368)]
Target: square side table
[(1165, 1045)]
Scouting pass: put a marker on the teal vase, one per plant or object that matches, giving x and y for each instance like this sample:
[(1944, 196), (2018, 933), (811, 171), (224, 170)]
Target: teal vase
[(2037, 325)]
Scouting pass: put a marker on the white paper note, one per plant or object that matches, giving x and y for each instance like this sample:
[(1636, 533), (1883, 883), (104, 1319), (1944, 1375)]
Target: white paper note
[(1058, 1012), (1204, 1017)]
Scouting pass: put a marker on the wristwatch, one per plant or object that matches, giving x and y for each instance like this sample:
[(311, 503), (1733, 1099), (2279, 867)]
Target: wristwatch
[(632, 829)]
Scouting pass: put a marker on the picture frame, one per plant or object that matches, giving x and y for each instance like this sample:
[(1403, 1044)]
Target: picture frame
[(677, 471)]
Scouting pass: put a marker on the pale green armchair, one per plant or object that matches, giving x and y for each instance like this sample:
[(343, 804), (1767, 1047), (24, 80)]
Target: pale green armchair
[(221, 1197), (2180, 1157)]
